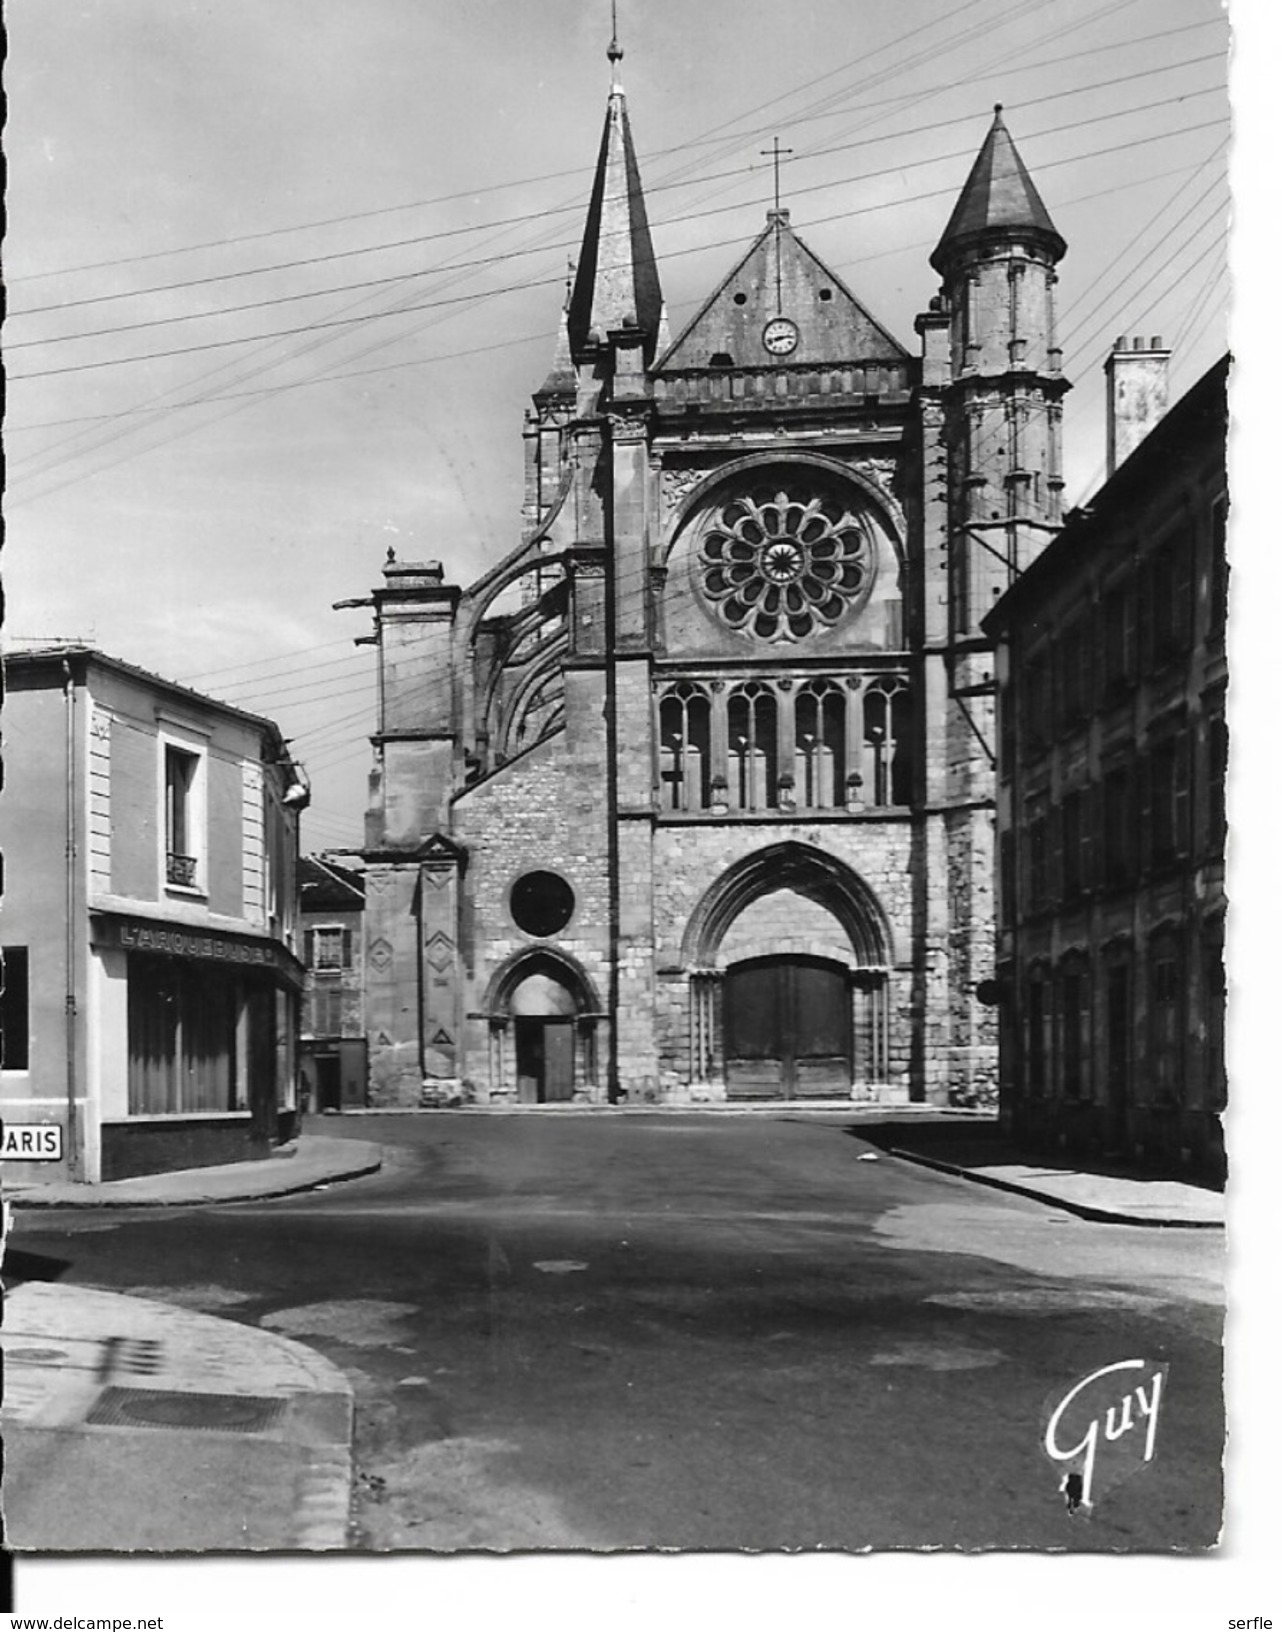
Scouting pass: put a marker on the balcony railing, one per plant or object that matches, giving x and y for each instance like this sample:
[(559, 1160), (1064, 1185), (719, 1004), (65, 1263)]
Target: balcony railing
[(180, 869)]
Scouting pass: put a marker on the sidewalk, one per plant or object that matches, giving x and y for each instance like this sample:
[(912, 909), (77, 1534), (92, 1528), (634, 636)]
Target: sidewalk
[(312, 1160), (980, 1153), (132, 1425)]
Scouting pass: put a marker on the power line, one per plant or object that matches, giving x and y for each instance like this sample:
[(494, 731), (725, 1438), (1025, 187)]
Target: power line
[(520, 220), (539, 283), (650, 157), (541, 337)]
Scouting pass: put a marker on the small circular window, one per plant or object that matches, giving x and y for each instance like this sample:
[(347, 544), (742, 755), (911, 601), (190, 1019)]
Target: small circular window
[(542, 903)]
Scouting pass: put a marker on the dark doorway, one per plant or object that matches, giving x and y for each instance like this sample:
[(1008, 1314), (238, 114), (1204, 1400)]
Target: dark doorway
[(544, 1060), (329, 1082), (787, 1029), (1118, 1062)]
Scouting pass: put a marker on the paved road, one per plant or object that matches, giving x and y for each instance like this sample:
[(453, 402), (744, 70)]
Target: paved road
[(698, 1332)]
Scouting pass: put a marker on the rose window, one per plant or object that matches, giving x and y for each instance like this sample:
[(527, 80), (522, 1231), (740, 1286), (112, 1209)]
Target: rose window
[(779, 567)]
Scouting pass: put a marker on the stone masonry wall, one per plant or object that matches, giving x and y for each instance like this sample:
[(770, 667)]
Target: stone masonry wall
[(545, 810), (690, 857)]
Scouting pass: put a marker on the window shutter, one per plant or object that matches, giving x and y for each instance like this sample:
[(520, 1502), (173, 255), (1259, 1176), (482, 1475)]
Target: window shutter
[(1138, 850), (347, 949), (1182, 593), (1130, 631), (1145, 585), (1055, 866), (1182, 791), (1092, 815), (309, 948)]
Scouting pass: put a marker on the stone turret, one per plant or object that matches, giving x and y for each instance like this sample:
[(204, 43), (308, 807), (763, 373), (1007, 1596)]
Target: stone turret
[(997, 258)]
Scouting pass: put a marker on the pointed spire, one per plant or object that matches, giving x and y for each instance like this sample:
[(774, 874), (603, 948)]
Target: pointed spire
[(614, 51), (561, 380), (617, 284), (998, 201)]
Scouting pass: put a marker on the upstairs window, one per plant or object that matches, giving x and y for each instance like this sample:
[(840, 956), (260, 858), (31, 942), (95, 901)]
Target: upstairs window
[(1119, 858), (1169, 800), (1169, 601), (1074, 676), (182, 818), (329, 948), (1219, 588), (15, 1022), (1119, 639)]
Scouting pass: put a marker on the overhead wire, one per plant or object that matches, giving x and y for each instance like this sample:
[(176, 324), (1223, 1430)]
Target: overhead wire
[(648, 157)]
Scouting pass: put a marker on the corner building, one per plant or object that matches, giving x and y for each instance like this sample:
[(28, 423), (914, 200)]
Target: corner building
[(691, 797)]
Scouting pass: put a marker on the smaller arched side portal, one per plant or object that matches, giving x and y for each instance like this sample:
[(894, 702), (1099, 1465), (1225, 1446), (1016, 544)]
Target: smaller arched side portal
[(543, 1014), (789, 960)]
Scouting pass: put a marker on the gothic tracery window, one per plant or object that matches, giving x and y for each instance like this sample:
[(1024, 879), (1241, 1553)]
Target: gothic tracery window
[(780, 564), (752, 721), (820, 776), (888, 743), (685, 716)]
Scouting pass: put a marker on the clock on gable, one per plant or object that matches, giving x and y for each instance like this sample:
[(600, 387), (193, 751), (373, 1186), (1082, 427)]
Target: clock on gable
[(780, 336)]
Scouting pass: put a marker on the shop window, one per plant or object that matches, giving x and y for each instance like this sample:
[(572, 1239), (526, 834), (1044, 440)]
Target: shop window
[(15, 1010), (186, 1043), (685, 748)]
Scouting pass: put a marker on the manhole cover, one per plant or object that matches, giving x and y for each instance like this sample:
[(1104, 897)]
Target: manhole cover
[(160, 1408), (35, 1357)]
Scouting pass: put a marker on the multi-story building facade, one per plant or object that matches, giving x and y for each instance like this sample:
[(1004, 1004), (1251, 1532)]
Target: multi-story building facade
[(151, 970), (691, 796), (1111, 812), (333, 1050)]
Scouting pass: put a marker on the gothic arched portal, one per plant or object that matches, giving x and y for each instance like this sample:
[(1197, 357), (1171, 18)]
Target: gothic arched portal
[(789, 955)]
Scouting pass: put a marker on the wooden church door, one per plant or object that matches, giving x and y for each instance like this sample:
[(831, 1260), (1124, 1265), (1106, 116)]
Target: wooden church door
[(787, 1029)]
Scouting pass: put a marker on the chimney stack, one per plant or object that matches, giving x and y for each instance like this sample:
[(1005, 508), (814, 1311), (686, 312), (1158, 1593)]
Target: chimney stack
[(1138, 393)]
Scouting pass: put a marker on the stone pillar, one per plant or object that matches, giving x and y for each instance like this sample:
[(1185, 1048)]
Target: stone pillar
[(441, 997)]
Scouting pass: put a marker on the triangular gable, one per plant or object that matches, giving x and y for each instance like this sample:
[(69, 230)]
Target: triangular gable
[(780, 276)]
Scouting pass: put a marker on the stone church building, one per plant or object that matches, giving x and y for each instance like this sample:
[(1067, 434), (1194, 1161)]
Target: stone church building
[(690, 798)]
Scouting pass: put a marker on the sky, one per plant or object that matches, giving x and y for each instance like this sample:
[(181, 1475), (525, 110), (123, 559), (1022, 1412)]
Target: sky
[(327, 244), (421, 167)]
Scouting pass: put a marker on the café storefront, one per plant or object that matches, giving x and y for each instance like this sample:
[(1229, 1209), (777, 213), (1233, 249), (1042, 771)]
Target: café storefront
[(192, 1045)]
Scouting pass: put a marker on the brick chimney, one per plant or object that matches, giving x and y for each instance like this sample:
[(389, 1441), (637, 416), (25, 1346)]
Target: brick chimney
[(1138, 393)]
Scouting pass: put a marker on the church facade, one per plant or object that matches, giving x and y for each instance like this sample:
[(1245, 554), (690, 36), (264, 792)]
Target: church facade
[(691, 797)]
